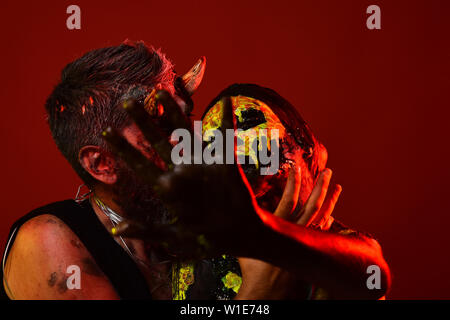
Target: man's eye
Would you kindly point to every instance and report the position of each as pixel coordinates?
(250, 119)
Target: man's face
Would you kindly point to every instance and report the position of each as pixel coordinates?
(253, 117)
(135, 196)
(131, 193)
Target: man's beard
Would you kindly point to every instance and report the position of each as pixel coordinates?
(137, 198)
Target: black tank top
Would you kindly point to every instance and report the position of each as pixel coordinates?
(208, 279)
(216, 279)
(116, 264)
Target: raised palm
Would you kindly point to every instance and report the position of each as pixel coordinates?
(213, 206)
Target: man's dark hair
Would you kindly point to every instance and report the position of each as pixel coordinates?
(87, 99)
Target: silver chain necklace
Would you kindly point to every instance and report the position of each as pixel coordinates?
(115, 219)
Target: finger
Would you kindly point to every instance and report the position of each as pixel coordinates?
(227, 115)
(227, 123)
(149, 129)
(173, 117)
(162, 235)
(175, 240)
(185, 95)
(316, 199)
(327, 224)
(290, 195)
(136, 160)
(328, 206)
(129, 229)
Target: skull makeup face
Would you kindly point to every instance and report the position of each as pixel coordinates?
(255, 120)
(256, 117)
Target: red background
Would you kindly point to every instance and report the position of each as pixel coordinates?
(376, 99)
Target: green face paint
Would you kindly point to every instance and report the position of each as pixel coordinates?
(254, 118)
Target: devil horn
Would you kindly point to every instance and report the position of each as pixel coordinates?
(193, 78)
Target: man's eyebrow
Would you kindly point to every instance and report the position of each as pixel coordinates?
(250, 119)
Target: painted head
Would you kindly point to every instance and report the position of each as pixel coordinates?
(258, 111)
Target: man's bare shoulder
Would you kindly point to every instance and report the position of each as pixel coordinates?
(44, 259)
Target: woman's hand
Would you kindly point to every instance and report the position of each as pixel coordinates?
(261, 280)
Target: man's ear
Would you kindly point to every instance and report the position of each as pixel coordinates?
(99, 163)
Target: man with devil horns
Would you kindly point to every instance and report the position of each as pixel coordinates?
(149, 229)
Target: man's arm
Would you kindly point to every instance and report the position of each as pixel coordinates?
(262, 280)
(335, 262)
(37, 264)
